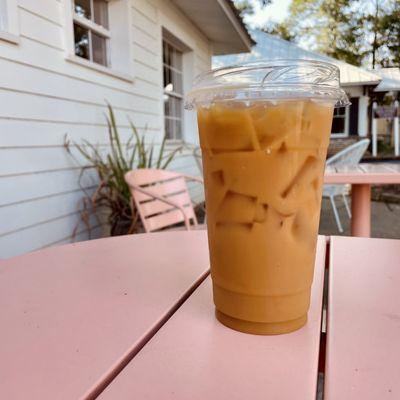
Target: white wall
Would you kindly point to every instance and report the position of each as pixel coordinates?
(43, 97)
(363, 116)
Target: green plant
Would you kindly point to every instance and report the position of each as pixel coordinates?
(112, 194)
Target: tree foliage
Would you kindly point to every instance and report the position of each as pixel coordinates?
(360, 32)
(246, 7)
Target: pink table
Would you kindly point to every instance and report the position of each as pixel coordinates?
(361, 178)
(195, 357)
(363, 345)
(132, 318)
(71, 317)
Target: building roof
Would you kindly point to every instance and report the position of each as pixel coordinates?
(220, 22)
(271, 47)
(390, 79)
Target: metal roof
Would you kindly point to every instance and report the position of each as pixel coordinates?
(270, 47)
(390, 79)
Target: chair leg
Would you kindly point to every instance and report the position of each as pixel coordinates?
(346, 204)
(335, 212)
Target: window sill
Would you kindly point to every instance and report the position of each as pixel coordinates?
(339, 135)
(9, 37)
(99, 68)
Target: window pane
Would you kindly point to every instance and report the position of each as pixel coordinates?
(177, 82)
(166, 105)
(168, 85)
(165, 53)
(338, 125)
(81, 36)
(340, 111)
(82, 8)
(177, 60)
(168, 129)
(172, 81)
(168, 54)
(173, 106)
(177, 130)
(100, 11)
(177, 108)
(99, 49)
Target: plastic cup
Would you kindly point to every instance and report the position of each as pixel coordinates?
(264, 131)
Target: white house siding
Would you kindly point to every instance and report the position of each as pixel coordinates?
(43, 97)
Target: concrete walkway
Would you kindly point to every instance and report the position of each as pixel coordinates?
(385, 220)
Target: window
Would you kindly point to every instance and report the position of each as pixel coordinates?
(339, 123)
(98, 36)
(173, 90)
(91, 30)
(9, 21)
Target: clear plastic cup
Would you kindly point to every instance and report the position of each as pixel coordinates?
(264, 131)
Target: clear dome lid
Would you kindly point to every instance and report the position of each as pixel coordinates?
(271, 80)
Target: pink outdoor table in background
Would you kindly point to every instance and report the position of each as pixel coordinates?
(363, 345)
(72, 315)
(195, 357)
(361, 178)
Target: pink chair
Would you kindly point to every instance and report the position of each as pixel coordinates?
(162, 198)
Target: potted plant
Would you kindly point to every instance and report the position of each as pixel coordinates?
(112, 196)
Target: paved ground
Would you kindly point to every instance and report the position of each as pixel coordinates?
(385, 220)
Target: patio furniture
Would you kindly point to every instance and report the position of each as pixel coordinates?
(361, 177)
(348, 157)
(162, 198)
(131, 317)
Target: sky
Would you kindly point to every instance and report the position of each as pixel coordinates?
(277, 11)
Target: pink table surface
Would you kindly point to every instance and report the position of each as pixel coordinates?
(194, 357)
(72, 316)
(364, 173)
(363, 342)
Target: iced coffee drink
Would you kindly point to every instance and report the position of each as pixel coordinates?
(263, 161)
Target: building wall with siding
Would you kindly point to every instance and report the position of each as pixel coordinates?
(43, 97)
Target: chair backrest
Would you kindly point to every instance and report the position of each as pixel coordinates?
(351, 155)
(155, 214)
(197, 157)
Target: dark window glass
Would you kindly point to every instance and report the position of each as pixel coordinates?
(338, 125)
(82, 8)
(81, 36)
(168, 129)
(100, 11)
(99, 48)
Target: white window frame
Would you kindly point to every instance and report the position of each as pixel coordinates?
(174, 94)
(91, 26)
(11, 32)
(346, 125)
(70, 17)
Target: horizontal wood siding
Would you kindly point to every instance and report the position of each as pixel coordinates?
(45, 98)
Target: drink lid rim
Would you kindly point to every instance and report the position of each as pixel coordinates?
(271, 79)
